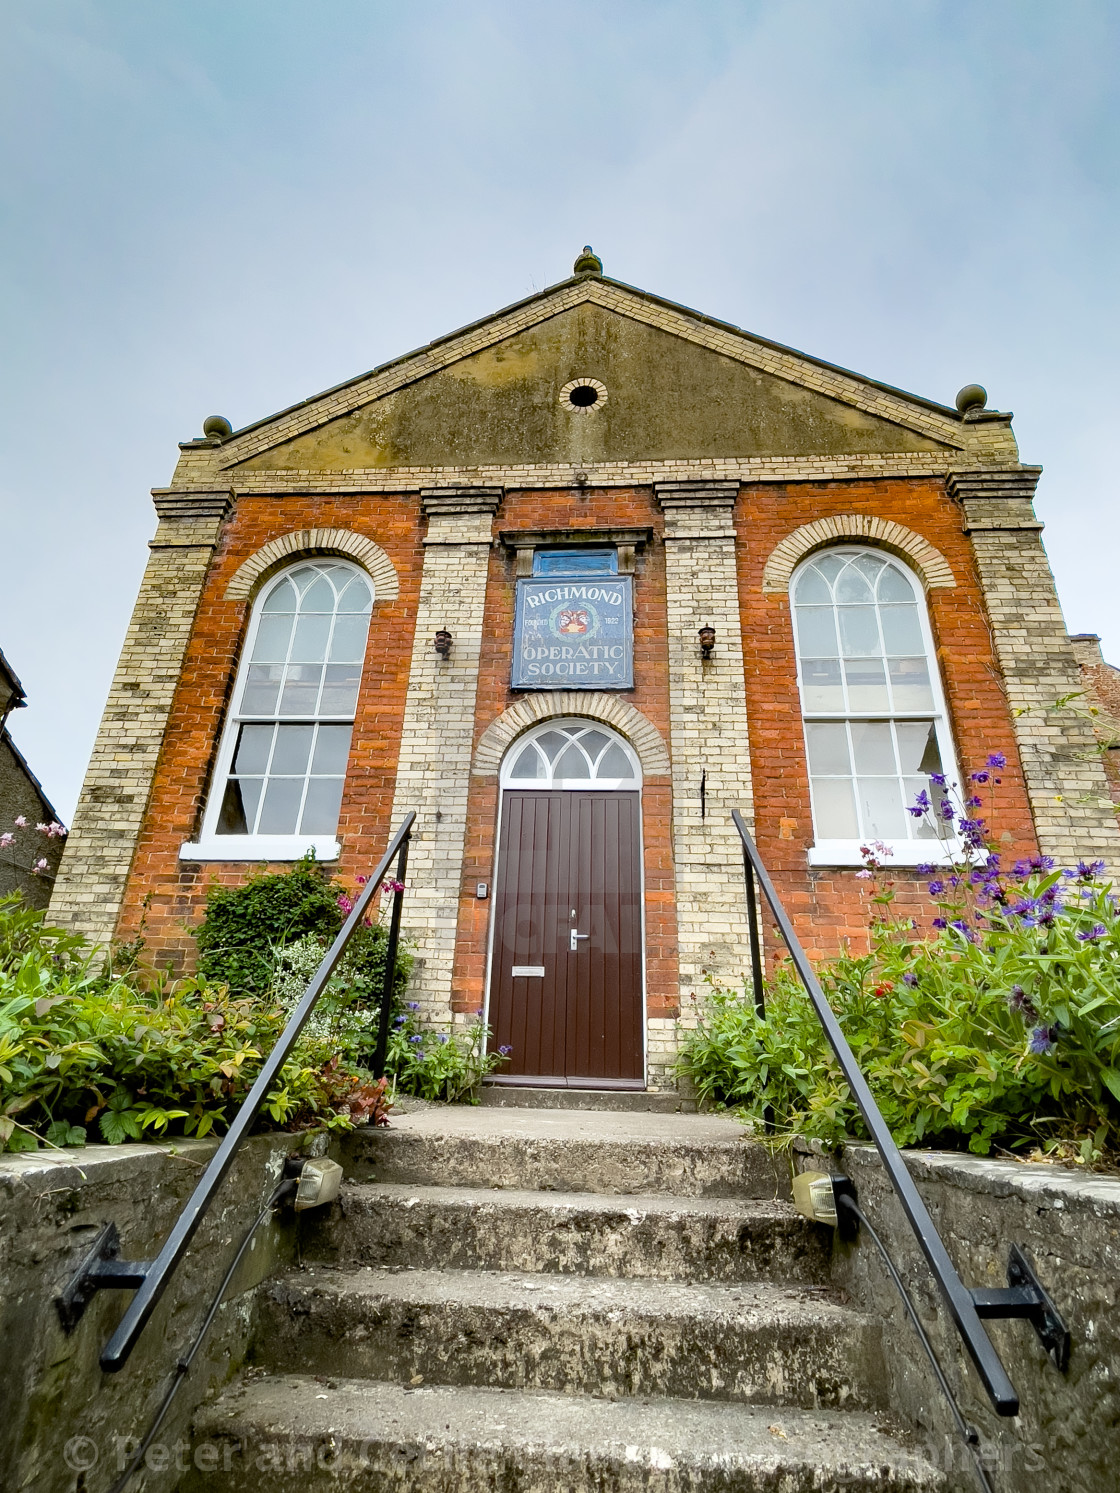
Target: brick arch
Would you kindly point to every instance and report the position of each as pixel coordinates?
(639, 731)
(371, 557)
(932, 568)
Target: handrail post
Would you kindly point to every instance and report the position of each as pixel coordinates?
(382, 1049)
(757, 968)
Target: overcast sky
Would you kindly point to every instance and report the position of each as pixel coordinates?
(223, 206)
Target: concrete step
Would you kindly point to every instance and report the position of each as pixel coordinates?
(660, 1238)
(567, 1151)
(305, 1435)
(633, 1101)
(758, 1344)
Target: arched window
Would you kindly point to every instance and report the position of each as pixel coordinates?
(278, 785)
(571, 754)
(875, 724)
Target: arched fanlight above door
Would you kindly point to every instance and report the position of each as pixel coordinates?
(571, 755)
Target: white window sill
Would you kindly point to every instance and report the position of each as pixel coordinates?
(904, 853)
(261, 848)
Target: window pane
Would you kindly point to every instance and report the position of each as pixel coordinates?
(552, 743)
(528, 764)
(867, 685)
(853, 587)
(301, 690)
(834, 810)
(253, 745)
(880, 802)
(283, 599)
(812, 587)
(873, 747)
(859, 631)
(310, 645)
(593, 742)
(571, 764)
(356, 595)
(828, 747)
(273, 637)
(239, 806)
(281, 806)
(928, 826)
(348, 645)
(821, 684)
(293, 747)
(261, 689)
(902, 632)
(614, 763)
(893, 585)
(332, 749)
(910, 684)
(917, 747)
(318, 597)
(816, 632)
(340, 691)
(320, 809)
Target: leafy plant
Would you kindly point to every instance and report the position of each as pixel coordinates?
(1002, 1024)
(141, 1055)
(440, 1065)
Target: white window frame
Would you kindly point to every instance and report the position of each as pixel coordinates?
(582, 724)
(936, 852)
(210, 846)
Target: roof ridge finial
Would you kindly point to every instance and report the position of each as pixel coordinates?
(588, 263)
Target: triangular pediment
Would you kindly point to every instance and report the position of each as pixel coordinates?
(676, 386)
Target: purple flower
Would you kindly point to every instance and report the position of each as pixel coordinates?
(974, 802)
(413, 1005)
(392, 886)
(925, 869)
(940, 923)
(1088, 872)
(996, 759)
(864, 875)
(344, 903)
(936, 888)
(979, 777)
(443, 1039)
(399, 1020)
(505, 1051)
(961, 925)
(1098, 930)
(1042, 1040)
(946, 809)
(920, 805)
(909, 979)
(417, 1039)
(1021, 869)
(937, 779)
(1046, 863)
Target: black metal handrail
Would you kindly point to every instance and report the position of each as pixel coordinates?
(150, 1278)
(1025, 1298)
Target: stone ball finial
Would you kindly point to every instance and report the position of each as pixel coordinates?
(588, 263)
(972, 397)
(217, 428)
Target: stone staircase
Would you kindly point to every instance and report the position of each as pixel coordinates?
(533, 1301)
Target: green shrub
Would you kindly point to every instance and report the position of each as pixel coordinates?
(1001, 1025)
(140, 1056)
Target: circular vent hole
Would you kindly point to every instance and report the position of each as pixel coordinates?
(584, 396)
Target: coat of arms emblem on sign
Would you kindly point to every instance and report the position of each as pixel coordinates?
(572, 621)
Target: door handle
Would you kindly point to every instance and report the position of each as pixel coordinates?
(573, 937)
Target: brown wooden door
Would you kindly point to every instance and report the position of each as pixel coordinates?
(569, 1006)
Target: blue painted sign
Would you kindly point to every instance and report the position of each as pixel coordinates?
(574, 634)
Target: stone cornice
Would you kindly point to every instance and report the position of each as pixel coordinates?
(675, 497)
(984, 482)
(180, 506)
(455, 500)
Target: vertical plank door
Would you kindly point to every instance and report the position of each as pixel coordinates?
(570, 1008)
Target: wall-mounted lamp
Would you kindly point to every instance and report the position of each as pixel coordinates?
(443, 642)
(707, 641)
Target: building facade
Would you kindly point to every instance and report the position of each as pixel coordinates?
(574, 583)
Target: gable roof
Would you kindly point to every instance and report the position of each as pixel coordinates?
(933, 425)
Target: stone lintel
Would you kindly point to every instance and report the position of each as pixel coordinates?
(524, 541)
